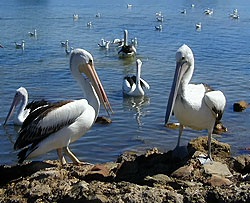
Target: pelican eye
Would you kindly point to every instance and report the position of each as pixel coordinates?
(182, 58)
(90, 61)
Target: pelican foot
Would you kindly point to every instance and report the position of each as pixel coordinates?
(81, 163)
(205, 159)
(180, 152)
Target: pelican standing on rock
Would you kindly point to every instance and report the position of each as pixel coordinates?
(25, 108)
(194, 105)
(133, 86)
(57, 125)
(127, 49)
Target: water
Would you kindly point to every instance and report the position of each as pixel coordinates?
(222, 59)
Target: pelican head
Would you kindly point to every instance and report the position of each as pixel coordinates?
(183, 73)
(21, 95)
(82, 61)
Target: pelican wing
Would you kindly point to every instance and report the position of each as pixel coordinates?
(36, 104)
(47, 120)
(216, 101)
(144, 84)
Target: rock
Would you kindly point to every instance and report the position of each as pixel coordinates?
(217, 168)
(240, 163)
(240, 106)
(219, 128)
(217, 180)
(219, 149)
(182, 172)
(103, 120)
(172, 125)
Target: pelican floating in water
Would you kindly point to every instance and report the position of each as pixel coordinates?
(127, 49)
(160, 18)
(133, 86)
(57, 125)
(25, 108)
(33, 34)
(20, 46)
(194, 105)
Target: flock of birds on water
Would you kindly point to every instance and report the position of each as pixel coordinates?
(47, 126)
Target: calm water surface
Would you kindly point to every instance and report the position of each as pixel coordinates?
(222, 59)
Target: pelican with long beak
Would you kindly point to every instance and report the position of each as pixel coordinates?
(133, 85)
(195, 105)
(59, 124)
(127, 49)
(21, 97)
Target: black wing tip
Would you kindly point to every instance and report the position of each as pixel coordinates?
(22, 155)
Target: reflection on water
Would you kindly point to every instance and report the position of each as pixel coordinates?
(137, 105)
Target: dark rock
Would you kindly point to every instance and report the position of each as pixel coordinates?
(219, 149)
(103, 120)
(240, 106)
(240, 163)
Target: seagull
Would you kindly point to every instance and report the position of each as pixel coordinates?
(198, 25)
(65, 44)
(25, 108)
(195, 105)
(33, 34)
(208, 11)
(75, 16)
(133, 85)
(59, 124)
(20, 46)
(159, 27)
(160, 18)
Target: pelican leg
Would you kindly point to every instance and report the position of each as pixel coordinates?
(61, 157)
(180, 133)
(72, 156)
(209, 145)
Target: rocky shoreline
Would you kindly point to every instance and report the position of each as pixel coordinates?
(149, 177)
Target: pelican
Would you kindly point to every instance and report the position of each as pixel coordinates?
(160, 18)
(118, 42)
(25, 108)
(20, 46)
(158, 14)
(184, 11)
(68, 52)
(65, 44)
(194, 105)
(127, 49)
(33, 34)
(57, 125)
(133, 86)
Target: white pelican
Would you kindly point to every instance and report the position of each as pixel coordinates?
(134, 41)
(118, 42)
(65, 44)
(61, 123)
(198, 25)
(194, 105)
(159, 27)
(127, 49)
(133, 86)
(25, 108)
(20, 46)
(33, 34)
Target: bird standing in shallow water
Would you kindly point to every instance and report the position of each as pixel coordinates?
(195, 105)
(57, 125)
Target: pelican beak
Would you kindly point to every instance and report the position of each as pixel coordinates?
(91, 73)
(181, 68)
(15, 102)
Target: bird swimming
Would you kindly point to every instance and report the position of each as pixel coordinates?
(198, 26)
(133, 85)
(20, 46)
(195, 105)
(104, 44)
(127, 49)
(65, 44)
(25, 108)
(33, 34)
(59, 124)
